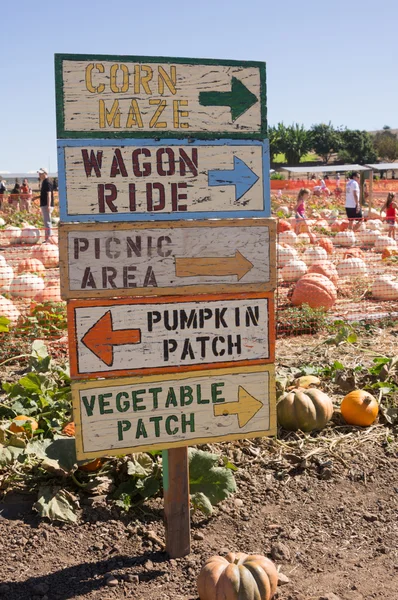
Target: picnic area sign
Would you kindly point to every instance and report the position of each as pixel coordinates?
(140, 96)
(138, 336)
(158, 259)
(158, 412)
(164, 179)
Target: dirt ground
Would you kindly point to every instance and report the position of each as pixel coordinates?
(324, 507)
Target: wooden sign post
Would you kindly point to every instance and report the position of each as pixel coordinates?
(167, 257)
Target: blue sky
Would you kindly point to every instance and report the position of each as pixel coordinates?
(333, 61)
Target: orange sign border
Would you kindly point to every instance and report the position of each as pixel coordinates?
(73, 341)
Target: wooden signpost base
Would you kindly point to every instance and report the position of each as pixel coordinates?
(176, 502)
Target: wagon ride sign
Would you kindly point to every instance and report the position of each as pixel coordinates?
(167, 257)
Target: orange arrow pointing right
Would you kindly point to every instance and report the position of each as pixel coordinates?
(101, 338)
(214, 266)
(246, 407)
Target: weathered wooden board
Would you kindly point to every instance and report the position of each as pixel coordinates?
(148, 259)
(136, 96)
(109, 338)
(138, 414)
(173, 179)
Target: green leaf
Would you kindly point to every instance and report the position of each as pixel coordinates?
(9, 454)
(217, 483)
(201, 502)
(352, 338)
(148, 487)
(57, 505)
(63, 450)
(124, 502)
(4, 325)
(39, 349)
(228, 464)
(31, 382)
(141, 465)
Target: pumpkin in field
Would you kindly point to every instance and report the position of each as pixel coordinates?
(9, 310)
(385, 287)
(92, 466)
(352, 267)
(69, 429)
(359, 408)
(353, 253)
(17, 425)
(293, 270)
(30, 235)
(326, 244)
(335, 226)
(30, 265)
(285, 254)
(48, 254)
(389, 251)
(315, 290)
(6, 277)
(51, 293)
(367, 237)
(26, 285)
(283, 225)
(345, 238)
(383, 241)
(344, 225)
(325, 268)
(313, 254)
(237, 577)
(305, 409)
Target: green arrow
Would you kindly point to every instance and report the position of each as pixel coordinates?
(239, 99)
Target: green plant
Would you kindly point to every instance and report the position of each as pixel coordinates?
(301, 319)
(325, 140)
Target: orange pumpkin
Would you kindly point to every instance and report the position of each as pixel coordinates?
(359, 408)
(344, 226)
(15, 428)
(335, 226)
(92, 466)
(353, 253)
(51, 293)
(389, 251)
(69, 429)
(237, 577)
(326, 244)
(315, 290)
(325, 268)
(283, 225)
(31, 265)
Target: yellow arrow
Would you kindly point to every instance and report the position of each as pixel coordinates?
(246, 407)
(214, 266)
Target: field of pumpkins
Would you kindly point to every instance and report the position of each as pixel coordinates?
(309, 514)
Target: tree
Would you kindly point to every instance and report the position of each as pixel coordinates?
(325, 140)
(295, 143)
(275, 135)
(386, 144)
(357, 147)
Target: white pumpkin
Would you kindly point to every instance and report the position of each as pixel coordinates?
(303, 238)
(3, 261)
(294, 270)
(285, 254)
(367, 237)
(374, 224)
(2, 222)
(385, 287)
(10, 235)
(285, 210)
(383, 241)
(48, 254)
(26, 285)
(287, 237)
(345, 238)
(313, 254)
(30, 235)
(9, 310)
(6, 277)
(352, 267)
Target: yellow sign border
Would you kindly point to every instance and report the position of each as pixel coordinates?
(77, 386)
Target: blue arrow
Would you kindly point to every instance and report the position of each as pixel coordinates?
(241, 176)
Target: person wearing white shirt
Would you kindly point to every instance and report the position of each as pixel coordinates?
(352, 201)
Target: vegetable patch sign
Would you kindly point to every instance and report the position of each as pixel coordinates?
(158, 412)
(136, 96)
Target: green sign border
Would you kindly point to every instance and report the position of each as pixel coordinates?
(59, 93)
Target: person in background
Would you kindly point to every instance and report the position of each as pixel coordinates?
(46, 202)
(26, 196)
(3, 190)
(390, 206)
(14, 197)
(299, 209)
(352, 202)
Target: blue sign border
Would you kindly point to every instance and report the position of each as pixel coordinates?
(166, 216)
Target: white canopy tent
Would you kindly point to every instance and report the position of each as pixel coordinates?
(325, 169)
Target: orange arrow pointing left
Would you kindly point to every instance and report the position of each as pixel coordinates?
(101, 338)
